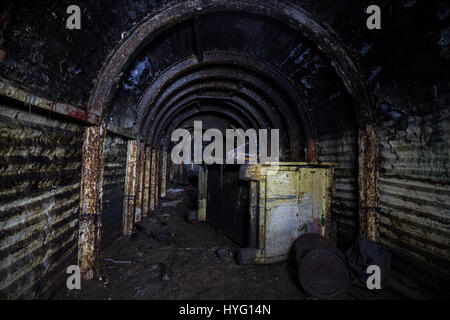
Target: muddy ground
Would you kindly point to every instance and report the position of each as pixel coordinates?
(169, 258)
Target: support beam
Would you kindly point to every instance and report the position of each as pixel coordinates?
(91, 200)
(14, 92)
(153, 181)
(312, 150)
(368, 182)
(140, 183)
(146, 195)
(130, 188)
(253, 210)
(171, 171)
(202, 192)
(158, 169)
(164, 174)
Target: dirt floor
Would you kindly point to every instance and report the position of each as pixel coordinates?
(169, 258)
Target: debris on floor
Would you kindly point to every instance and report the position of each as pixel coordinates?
(173, 203)
(171, 258)
(174, 192)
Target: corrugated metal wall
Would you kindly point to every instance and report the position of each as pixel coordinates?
(115, 153)
(39, 199)
(414, 183)
(344, 204)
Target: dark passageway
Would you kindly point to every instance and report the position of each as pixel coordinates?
(180, 260)
(121, 140)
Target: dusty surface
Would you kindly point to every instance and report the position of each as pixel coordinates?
(174, 259)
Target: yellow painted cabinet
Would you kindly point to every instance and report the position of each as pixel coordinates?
(286, 200)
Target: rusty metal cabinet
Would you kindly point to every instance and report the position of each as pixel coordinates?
(286, 200)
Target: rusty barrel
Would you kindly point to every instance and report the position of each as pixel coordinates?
(322, 270)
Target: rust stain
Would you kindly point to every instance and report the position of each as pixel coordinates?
(130, 188)
(79, 114)
(287, 199)
(147, 173)
(8, 89)
(312, 150)
(153, 181)
(157, 176)
(171, 171)
(164, 174)
(140, 183)
(368, 183)
(91, 200)
(39, 203)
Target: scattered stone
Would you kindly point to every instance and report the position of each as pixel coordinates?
(222, 253)
(171, 203)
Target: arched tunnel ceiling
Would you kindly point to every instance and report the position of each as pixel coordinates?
(259, 65)
(63, 65)
(38, 53)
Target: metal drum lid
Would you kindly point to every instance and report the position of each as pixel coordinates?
(323, 274)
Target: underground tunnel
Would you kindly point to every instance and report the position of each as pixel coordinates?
(102, 122)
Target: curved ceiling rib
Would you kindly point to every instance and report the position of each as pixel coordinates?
(274, 102)
(176, 12)
(196, 113)
(198, 101)
(225, 91)
(292, 92)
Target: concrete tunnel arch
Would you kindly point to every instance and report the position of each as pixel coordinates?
(292, 15)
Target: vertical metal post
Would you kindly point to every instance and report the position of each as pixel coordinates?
(171, 171)
(153, 181)
(146, 195)
(312, 150)
(254, 206)
(130, 188)
(157, 176)
(91, 200)
(262, 214)
(140, 183)
(164, 174)
(202, 192)
(368, 182)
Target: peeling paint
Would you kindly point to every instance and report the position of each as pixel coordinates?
(294, 199)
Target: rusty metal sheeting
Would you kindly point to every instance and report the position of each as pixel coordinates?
(163, 174)
(368, 182)
(40, 174)
(146, 189)
(414, 184)
(91, 200)
(153, 177)
(343, 149)
(130, 187)
(8, 89)
(140, 183)
(113, 187)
